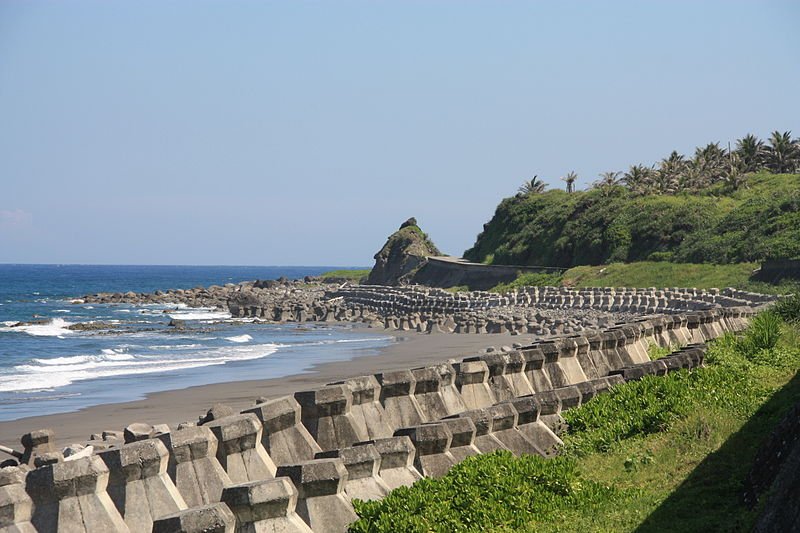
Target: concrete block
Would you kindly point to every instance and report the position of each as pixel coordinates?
(284, 437)
(397, 461)
(534, 368)
(535, 430)
(266, 506)
(71, 497)
(212, 518)
(472, 381)
(397, 397)
(485, 441)
(36, 443)
(463, 431)
(432, 442)
(550, 410)
(240, 451)
(325, 412)
(139, 485)
(193, 465)
(428, 395)
(363, 466)
(504, 429)
(321, 500)
(515, 374)
(16, 507)
(453, 401)
(501, 385)
(367, 410)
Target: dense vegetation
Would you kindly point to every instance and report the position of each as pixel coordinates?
(759, 220)
(346, 274)
(662, 454)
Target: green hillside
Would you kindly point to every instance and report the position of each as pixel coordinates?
(758, 219)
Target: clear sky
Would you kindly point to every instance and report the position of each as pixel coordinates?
(278, 133)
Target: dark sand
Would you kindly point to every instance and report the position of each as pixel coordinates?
(171, 407)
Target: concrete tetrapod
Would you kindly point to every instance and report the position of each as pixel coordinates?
(535, 430)
(285, 438)
(453, 402)
(139, 485)
(193, 465)
(16, 507)
(502, 387)
(397, 461)
(428, 395)
(432, 441)
(485, 441)
(71, 497)
(504, 428)
(240, 451)
(367, 410)
(321, 500)
(212, 518)
(472, 381)
(325, 412)
(463, 431)
(397, 397)
(363, 464)
(534, 368)
(265, 507)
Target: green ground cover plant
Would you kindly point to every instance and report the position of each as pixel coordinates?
(661, 454)
(357, 275)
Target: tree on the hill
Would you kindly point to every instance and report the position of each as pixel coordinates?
(570, 180)
(534, 186)
(708, 166)
(669, 172)
(607, 181)
(783, 154)
(751, 153)
(639, 179)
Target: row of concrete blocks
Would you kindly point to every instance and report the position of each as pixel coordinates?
(242, 453)
(134, 488)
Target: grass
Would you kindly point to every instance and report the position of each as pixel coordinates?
(661, 454)
(357, 275)
(660, 274)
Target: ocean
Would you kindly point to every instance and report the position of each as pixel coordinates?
(46, 368)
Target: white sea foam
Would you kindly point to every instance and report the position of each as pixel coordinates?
(63, 311)
(200, 314)
(46, 374)
(239, 338)
(56, 327)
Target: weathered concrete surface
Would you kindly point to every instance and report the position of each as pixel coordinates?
(71, 497)
(397, 461)
(397, 397)
(432, 441)
(240, 451)
(534, 368)
(463, 443)
(265, 507)
(472, 381)
(363, 466)
(368, 413)
(485, 440)
(534, 430)
(16, 507)
(285, 438)
(321, 500)
(326, 414)
(212, 518)
(35, 443)
(139, 485)
(504, 429)
(193, 465)
(428, 394)
(453, 402)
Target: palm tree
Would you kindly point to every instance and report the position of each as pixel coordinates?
(534, 186)
(751, 153)
(639, 179)
(608, 179)
(570, 179)
(669, 173)
(783, 154)
(707, 167)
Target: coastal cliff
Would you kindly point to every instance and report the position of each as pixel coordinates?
(404, 253)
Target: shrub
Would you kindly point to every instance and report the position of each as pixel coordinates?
(788, 308)
(763, 334)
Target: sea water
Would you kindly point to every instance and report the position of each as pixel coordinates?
(48, 368)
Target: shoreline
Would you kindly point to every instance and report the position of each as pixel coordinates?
(171, 407)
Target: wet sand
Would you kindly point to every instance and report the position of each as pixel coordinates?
(409, 350)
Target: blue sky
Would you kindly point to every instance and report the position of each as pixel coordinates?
(275, 133)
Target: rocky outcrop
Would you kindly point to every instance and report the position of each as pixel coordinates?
(404, 253)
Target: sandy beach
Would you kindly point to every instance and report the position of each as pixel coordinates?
(171, 407)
